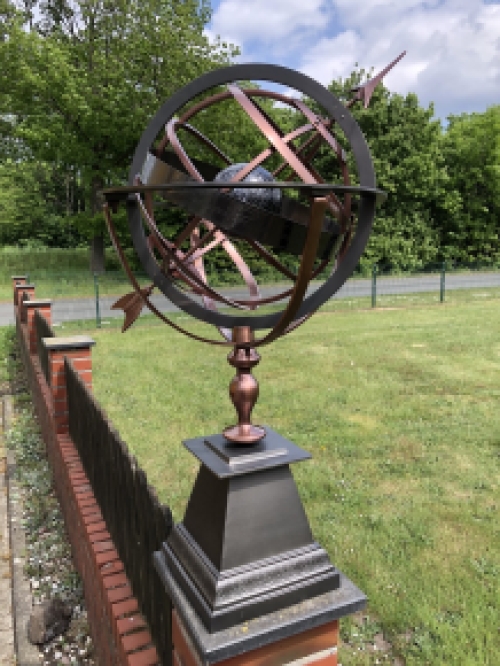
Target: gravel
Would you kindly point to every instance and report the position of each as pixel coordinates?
(48, 564)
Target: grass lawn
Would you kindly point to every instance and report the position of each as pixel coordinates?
(399, 408)
(78, 283)
(59, 273)
(400, 411)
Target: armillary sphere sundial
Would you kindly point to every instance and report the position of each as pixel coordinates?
(277, 203)
(299, 214)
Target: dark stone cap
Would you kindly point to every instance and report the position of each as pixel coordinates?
(75, 342)
(226, 460)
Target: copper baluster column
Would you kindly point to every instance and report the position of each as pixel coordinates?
(244, 388)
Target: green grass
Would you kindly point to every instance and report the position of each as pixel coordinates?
(6, 337)
(18, 261)
(76, 284)
(453, 297)
(59, 273)
(400, 411)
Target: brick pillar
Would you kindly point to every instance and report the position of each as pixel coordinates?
(21, 289)
(44, 308)
(317, 646)
(17, 279)
(78, 349)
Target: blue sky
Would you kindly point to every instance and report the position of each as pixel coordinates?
(453, 46)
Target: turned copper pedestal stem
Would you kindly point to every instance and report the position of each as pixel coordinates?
(244, 388)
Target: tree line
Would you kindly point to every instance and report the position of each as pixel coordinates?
(80, 79)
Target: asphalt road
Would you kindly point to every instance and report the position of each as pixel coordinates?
(85, 308)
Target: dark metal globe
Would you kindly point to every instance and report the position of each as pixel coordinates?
(268, 199)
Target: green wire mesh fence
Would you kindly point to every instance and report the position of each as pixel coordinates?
(80, 295)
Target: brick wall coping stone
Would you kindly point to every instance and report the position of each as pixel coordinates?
(264, 630)
(37, 303)
(18, 277)
(25, 286)
(73, 342)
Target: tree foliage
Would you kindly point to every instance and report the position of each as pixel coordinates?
(84, 79)
(80, 79)
(405, 143)
(31, 207)
(471, 147)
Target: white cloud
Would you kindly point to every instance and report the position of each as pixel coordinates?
(331, 58)
(453, 49)
(453, 46)
(279, 24)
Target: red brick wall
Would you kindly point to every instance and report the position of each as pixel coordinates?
(120, 633)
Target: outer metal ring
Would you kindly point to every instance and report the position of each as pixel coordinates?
(336, 110)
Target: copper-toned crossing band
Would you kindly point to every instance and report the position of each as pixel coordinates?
(265, 154)
(195, 251)
(175, 256)
(271, 134)
(221, 239)
(181, 153)
(334, 144)
(170, 132)
(305, 271)
(145, 298)
(186, 231)
(313, 142)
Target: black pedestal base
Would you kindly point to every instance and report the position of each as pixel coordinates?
(245, 548)
(213, 647)
(224, 599)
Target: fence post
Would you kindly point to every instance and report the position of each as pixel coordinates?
(44, 307)
(78, 349)
(18, 280)
(374, 286)
(442, 282)
(97, 309)
(21, 289)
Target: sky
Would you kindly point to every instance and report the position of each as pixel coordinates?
(453, 46)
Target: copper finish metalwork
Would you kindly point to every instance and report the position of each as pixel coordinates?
(244, 388)
(364, 92)
(319, 223)
(132, 305)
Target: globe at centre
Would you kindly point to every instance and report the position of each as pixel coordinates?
(266, 198)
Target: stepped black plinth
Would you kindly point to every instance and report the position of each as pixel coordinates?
(245, 548)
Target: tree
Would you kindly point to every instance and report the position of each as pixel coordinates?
(31, 206)
(84, 80)
(405, 143)
(471, 148)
